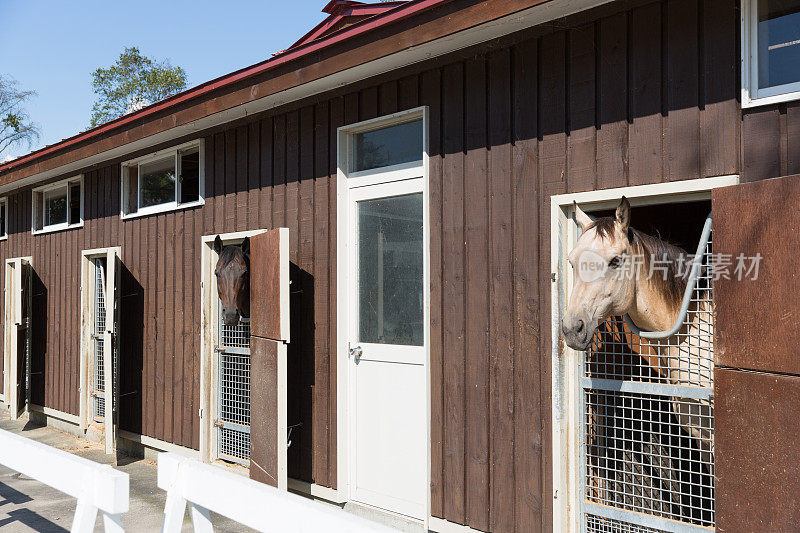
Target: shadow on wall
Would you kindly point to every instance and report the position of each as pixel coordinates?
(131, 338)
(300, 378)
(38, 338)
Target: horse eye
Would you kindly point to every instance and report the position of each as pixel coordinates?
(615, 262)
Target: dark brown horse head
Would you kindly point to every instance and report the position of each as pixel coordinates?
(233, 280)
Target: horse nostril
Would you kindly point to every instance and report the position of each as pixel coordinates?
(579, 326)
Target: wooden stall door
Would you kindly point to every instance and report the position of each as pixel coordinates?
(756, 385)
(269, 334)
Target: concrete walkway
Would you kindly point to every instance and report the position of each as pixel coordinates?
(27, 505)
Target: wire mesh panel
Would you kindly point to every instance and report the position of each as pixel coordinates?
(98, 331)
(647, 441)
(233, 406)
(599, 524)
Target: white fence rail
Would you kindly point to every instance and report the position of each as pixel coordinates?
(209, 488)
(97, 487)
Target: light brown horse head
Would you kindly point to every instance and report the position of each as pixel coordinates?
(600, 261)
(233, 280)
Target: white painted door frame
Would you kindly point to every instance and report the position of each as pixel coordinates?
(348, 185)
(12, 319)
(566, 366)
(209, 312)
(112, 256)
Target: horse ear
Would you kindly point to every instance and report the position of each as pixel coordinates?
(624, 214)
(583, 220)
(246, 246)
(218, 245)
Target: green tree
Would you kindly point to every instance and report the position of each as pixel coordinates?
(131, 83)
(15, 125)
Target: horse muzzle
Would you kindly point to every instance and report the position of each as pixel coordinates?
(230, 316)
(577, 333)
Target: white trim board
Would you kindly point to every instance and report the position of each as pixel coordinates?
(157, 444)
(487, 31)
(566, 367)
(440, 525)
(55, 413)
(317, 491)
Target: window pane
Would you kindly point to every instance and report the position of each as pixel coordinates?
(388, 146)
(158, 182)
(390, 274)
(55, 206)
(74, 203)
(3, 220)
(190, 175)
(778, 42)
(132, 190)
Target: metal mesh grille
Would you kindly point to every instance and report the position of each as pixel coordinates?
(233, 409)
(640, 458)
(599, 524)
(99, 330)
(648, 419)
(237, 336)
(682, 359)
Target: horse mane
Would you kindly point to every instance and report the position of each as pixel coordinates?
(673, 284)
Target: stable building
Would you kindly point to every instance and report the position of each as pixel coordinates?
(407, 173)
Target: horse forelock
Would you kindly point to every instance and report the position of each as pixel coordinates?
(233, 253)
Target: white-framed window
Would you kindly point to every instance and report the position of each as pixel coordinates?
(164, 181)
(58, 206)
(770, 51)
(3, 219)
(383, 150)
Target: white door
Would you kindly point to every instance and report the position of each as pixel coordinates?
(386, 341)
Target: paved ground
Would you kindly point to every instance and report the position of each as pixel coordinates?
(27, 505)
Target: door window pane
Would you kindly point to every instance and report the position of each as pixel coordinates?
(778, 42)
(55, 206)
(388, 146)
(158, 182)
(390, 270)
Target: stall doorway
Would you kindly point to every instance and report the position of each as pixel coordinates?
(634, 411)
(99, 343)
(383, 292)
(17, 334)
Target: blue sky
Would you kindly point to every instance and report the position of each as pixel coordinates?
(52, 47)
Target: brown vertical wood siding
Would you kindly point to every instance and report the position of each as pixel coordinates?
(630, 93)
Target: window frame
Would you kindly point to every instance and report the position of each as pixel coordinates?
(175, 204)
(397, 172)
(44, 189)
(752, 95)
(4, 202)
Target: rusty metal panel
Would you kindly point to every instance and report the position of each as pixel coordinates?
(755, 318)
(758, 460)
(269, 285)
(268, 404)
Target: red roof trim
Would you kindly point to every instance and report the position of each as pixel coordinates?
(340, 9)
(395, 14)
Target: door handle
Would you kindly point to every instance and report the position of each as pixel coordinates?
(356, 352)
